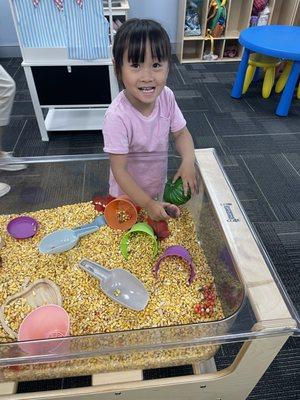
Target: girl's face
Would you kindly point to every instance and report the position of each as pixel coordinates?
(144, 81)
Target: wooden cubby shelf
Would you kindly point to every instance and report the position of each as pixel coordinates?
(227, 47)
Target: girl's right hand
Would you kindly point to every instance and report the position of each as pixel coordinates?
(156, 210)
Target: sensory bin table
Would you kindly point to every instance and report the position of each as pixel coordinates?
(114, 344)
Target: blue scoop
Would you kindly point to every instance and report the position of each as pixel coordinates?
(65, 239)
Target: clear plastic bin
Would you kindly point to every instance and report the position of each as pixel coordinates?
(254, 303)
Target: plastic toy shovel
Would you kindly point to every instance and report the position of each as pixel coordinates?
(119, 285)
(65, 239)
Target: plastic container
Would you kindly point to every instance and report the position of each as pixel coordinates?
(138, 228)
(254, 302)
(45, 322)
(118, 209)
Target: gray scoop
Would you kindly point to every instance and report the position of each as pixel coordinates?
(119, 285)
(65, 239)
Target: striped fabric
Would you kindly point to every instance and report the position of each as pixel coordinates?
(83, 30)
(87, 30)
(80, 3)
(59, 3)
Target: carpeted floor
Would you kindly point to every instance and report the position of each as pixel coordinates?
(261, 155)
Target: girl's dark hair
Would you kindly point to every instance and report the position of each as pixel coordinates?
(133, 36)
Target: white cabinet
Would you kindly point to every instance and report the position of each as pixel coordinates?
(74, 93)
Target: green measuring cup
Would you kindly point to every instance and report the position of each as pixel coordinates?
(139, 227)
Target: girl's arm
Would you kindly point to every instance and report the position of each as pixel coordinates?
(118, 163)
(185, 146)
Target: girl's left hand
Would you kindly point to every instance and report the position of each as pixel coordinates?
(187, 172)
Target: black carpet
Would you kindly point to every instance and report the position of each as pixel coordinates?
(261, 155)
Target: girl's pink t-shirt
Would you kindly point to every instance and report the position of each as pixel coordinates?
(144, 139)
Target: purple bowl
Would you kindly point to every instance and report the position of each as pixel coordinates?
(177, 251)
(22, 227)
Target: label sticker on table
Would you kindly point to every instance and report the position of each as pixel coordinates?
(229, 212)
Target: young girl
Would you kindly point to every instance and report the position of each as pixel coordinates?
(138, 122)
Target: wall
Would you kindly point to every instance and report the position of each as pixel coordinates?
(8, 37)
(164, 11)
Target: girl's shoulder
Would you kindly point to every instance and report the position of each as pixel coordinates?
(119, 105)
(166, 101)
(167, 95)
(167, 92)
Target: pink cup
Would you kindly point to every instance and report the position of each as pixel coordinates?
(45, 322)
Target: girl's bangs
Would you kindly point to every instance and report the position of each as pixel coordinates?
(136, 46)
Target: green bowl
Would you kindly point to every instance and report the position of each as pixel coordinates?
(174, 193)
(139, 227)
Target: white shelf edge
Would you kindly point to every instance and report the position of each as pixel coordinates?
(75, 119)
(198, 60)
(51, 56)
(192, 38)
(124, 6)
(75, 106)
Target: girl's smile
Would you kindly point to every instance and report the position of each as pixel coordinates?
(147, 90)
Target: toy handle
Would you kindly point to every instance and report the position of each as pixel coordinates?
(91, 227)
(85, 230)
(99, 221)
(7, 329)
(12, 334)
(94, 269)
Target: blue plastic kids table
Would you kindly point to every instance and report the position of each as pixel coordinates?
(273, 40)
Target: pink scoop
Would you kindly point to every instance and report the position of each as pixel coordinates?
(177, 251)
(45, 322)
